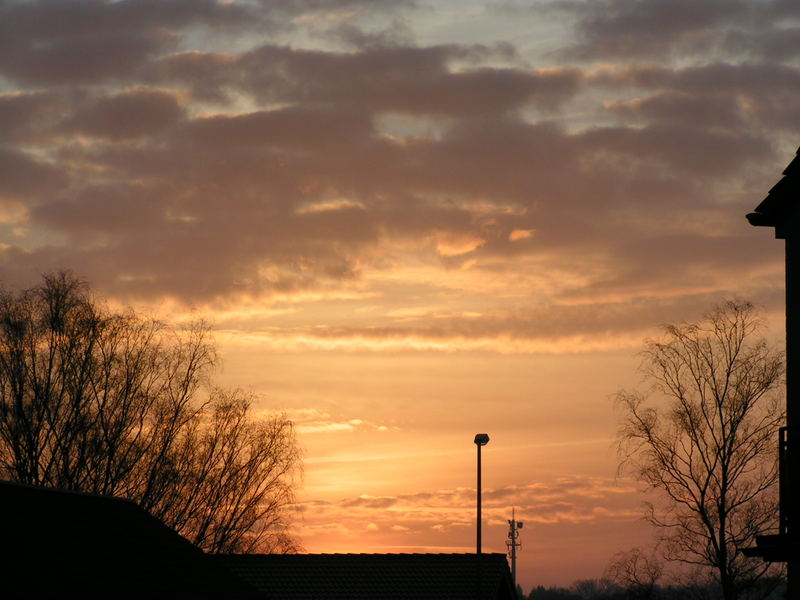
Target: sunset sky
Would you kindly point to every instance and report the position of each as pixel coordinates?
(410, 222)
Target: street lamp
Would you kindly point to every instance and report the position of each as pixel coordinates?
(481, 439)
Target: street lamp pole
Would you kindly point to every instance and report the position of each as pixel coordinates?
(481, 439)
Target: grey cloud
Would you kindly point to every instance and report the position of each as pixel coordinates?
(24, 176)
(227, 196)
(207, 74)
(403, 79)
(558, 177)
(129, 114)
(103, 210)
(716, 77)
(82, 41)
(624, 28)
(70, 61)
(42, 20)
(772, 44)
(484, 91)
(203, 231)
(739, 77)
(763, 93)
(664, 28)
(708, 111)
(302, 190)
(770, 93)
(397, 34)
(293, 127)
(26, 116)
(690, 261)
(656, 17)
(688, 149)
(311, 6)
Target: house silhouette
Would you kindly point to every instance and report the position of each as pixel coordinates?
(63, 544)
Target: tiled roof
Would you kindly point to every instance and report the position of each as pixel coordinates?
(781, 200)
(374, 576)
(87, 546)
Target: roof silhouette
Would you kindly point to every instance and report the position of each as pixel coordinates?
(72, 544)
(91, 546)
(781, 201)
(363, 576)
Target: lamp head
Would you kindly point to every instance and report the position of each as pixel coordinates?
(481, 439)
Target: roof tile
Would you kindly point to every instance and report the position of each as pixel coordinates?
(369, 576)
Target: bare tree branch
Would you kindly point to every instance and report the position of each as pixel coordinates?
(112, 403)
(704, 440)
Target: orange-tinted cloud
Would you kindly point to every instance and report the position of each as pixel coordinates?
(211, 157)
(438, 519)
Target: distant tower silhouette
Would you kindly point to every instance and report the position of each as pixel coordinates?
(781, 210)
(513, 543)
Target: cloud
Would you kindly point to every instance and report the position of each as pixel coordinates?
(369, 502)
(227, 197)
(456, 176)
(439, 513)
(734, 96)
(685, 149)
(46, 42)
(404, 79)
(314, 421)
(24, 176)
(397, 33)
(772, 43)
(679, 28)
(582, 324)
(680, 107)
(25, 116)
(100, 211)
(86, 41)
(301, 128)
(236, 191)
(132, 113)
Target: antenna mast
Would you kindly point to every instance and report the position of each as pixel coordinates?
(513, 543)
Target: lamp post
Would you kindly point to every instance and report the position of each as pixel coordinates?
(481, 439)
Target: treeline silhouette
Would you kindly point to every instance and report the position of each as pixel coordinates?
(769, 588)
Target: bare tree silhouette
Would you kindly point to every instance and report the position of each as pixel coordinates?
(113, 403)
(704, 440)
(635, 571)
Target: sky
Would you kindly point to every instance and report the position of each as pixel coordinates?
(410, 222)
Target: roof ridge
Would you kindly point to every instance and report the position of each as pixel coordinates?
(59, 490)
